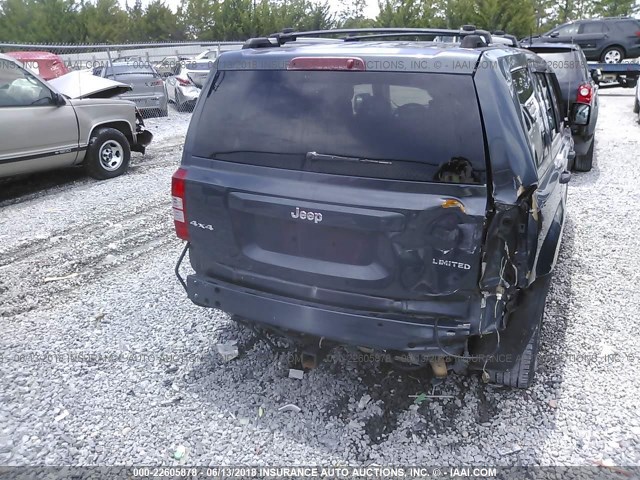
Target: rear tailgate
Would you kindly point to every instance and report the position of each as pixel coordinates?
(391, 205)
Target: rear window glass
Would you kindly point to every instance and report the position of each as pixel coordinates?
(569, 67)
(629, 27)
(131, 69)
(406, 126)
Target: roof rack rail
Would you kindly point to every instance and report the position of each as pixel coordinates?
(259, 42)
(507, 36)
(355, 34)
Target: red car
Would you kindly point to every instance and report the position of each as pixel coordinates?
(46, 65)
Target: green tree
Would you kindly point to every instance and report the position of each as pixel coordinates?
(199, 18)
(513, 16)
(39, 21)
(401, 13)
(104, 22)
(234, 20)
(352, 15)
(455, 13)
(159, 24)
(615, 8)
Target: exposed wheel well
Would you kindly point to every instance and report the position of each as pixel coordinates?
(122, 126)
(615, 45)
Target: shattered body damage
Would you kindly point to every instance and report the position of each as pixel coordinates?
(506, 259)
(519, 230)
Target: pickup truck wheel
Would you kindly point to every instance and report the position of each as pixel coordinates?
(585, 162)
(108, 154)
(612, 55)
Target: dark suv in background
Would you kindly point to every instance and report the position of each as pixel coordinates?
(579, 95)
(608, 40)
(403, 196)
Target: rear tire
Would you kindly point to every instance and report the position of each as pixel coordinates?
(636, 106)
(584, 163)
(108, 154)
(612, 55)
(523, 372)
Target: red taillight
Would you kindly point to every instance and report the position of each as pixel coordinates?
(638, 33)
(183, 81)
(585, 94)
(327, 63)
(177, 202)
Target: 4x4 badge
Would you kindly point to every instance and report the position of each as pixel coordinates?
(201, 225)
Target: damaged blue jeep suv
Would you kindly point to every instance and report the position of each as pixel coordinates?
(379, 190)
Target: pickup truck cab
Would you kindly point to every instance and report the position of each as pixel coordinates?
(43, 129)
(403, 196)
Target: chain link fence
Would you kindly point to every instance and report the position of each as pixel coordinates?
(87, 56)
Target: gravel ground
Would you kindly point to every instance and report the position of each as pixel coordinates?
(105, 361)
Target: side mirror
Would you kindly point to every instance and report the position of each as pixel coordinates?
(565, 177)
(554, 34)
(581, 114)
(596, 75)
(58, 100)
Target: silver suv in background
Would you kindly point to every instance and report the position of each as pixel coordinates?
(148, 90)
(42, 128)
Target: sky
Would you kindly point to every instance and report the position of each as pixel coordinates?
(371, 11)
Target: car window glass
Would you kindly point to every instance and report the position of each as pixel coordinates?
(555, 96)
(407, 127)
(134, 68)
(569, 66)
(593, 27)
(568, 29)
(548, 103)
(524, 88)
(629, 27)
(18, 88)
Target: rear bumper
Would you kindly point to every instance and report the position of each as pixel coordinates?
(143, 136)
(143, 139)
(633, 51)
(343, 326)
(147, 102)
(188, 94)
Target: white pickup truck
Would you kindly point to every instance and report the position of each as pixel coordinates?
(70, 121)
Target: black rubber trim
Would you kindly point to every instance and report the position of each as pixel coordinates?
(42, 155)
